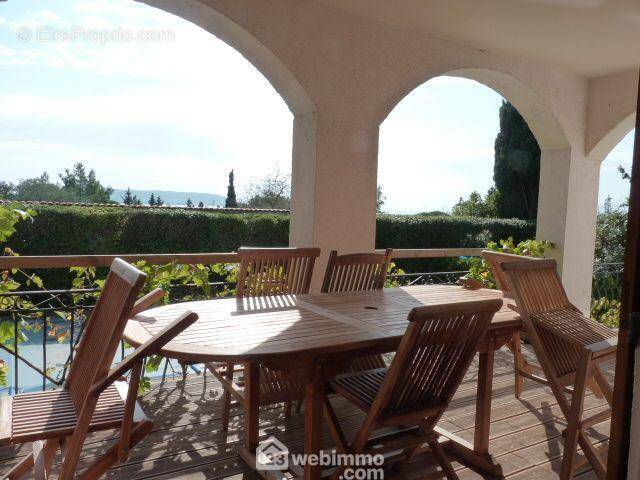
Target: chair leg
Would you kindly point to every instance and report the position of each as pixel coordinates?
(184, 367)
(334, 426)
(44, 452)
(226, 399)
(110, 458)
(287, 409)
(21, 468)
(574, 427)
(442, 458)
(516, 348)
(593, 456)
(592, 384)
(604, 384)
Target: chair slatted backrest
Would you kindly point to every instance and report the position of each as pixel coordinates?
(495, 259)
(356, 271)
(537, 285)
(275, 271)
(104, 329)
(433, 356)
(542, 301)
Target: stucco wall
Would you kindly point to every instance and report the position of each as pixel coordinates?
(610, 112)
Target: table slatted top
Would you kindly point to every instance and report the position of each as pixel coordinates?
(254, 328)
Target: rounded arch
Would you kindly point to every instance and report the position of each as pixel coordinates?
(613, 137)
(263, 59)
(300, 103)
(541, 120)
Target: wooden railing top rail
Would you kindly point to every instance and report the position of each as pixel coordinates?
(68, 261)
(435, 252)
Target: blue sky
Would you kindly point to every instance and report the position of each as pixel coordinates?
(180, 111)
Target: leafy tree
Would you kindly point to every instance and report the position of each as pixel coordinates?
(189, 203)
(516, 170)
(200, 204)
(42, 189)
(231, 201)
(130, 199)
(84, 185)
(611, 233)
(623, 173)
(78, 185)
(159, 201)
(477, 206)
(152, 200)
(271, 191)
(380, 199)
(7, 190)
(434, 213)
(611, 228)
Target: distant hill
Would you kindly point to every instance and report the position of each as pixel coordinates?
(173, 198)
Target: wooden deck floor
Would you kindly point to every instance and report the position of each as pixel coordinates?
(187, 442)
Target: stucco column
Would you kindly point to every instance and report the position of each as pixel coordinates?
(334, 191)
(567, 211)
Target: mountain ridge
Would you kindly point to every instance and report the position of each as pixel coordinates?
(171, 197)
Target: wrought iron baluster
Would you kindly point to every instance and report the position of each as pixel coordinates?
(15, 349)
(44, 351)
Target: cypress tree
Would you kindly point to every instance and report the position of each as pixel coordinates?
(231, 200)
(516, 171)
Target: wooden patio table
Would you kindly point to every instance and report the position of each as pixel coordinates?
(312, 338)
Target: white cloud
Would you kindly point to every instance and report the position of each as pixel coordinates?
(217, 111)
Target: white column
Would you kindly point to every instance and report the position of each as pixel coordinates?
(334, 190)
(567, 211)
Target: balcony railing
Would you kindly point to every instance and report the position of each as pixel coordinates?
(41, 327)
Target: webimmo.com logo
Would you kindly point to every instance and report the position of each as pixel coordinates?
(272, 454)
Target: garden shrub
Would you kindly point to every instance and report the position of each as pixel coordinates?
(64, 230)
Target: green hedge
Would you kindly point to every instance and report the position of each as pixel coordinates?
(416, 231)
(60, 230)
(106, 230)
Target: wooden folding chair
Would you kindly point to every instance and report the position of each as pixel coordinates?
(267, 272)
(570, 348)
(358, 272)
(275, 271)
(413, 393)
(93, 397)
(521, 366)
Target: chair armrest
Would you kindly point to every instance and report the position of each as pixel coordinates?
(150, 347)
(603, 347)
(145, 302)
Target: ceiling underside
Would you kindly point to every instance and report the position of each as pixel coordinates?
(586, 37)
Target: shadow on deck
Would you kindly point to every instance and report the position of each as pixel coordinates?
(187, 443)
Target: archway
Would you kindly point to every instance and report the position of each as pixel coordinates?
(567, 202)
(264, 61)
(285, 83)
